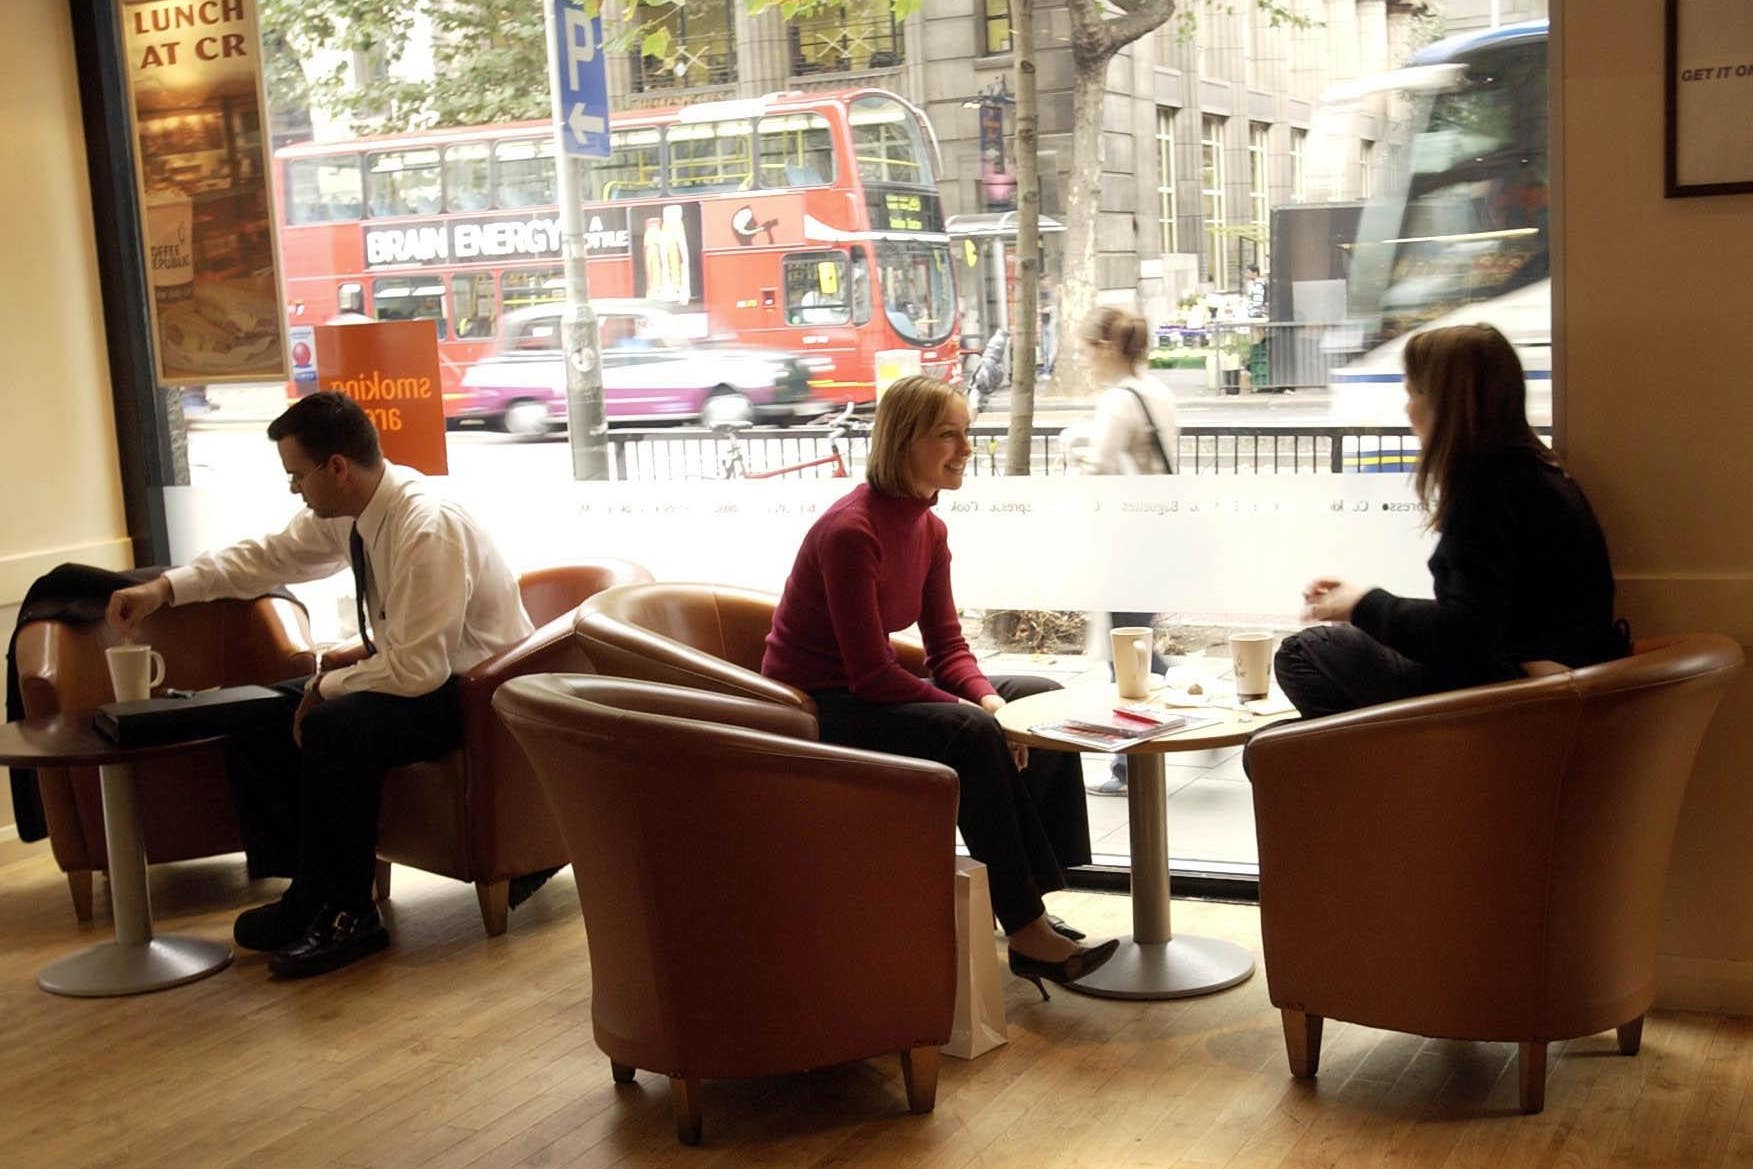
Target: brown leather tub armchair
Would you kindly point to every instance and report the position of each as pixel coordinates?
(185, 809)
(477, 814)
(755, 902)
(1485, 864)
(705, 636)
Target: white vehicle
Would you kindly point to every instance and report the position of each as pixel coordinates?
(1464, 238)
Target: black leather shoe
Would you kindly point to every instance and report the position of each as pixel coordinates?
(273, 926)
(336, 938)
(1065, 930)
(1083, 962)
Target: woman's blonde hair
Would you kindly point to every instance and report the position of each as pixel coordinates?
(909, 408)
(1472, 379)
(1125, 331)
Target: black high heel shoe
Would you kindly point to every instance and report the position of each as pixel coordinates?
(1083, 962)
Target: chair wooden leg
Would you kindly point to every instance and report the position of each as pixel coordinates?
(1302, 1042)
(685, 1103)
(919, 1070)
(495, 899)
(79, 884)
(380, 880)
(1631, 1036)
(1531, 1059)
(623, 1072)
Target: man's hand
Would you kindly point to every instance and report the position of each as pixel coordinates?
(341, 656)
(129, 606)
(1327, 599)
(312, 695)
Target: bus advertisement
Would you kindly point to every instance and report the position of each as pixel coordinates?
(804, 223)
(1462, 236)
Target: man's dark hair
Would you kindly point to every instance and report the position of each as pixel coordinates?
(327, 424)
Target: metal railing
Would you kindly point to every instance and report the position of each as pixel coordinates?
(672, 453)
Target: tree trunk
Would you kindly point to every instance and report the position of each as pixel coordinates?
(1020, 434)
(1083, 205)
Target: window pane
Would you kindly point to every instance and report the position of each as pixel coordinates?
(702, 44)
(409, 298)
(862, 35)
(321, 190)
(525, 173)
(1167, 205)
(797, 150)
(403, 182)
(635, 168)
(542, 286)
(1212, 254)
(467, 186)
(918, 293)
(997, 26)
(886, 140)
(472, 301)
(716, 156)
(816, 289)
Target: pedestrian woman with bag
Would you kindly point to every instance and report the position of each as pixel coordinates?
(877, 562)
(1133, 432)
(1520, 570)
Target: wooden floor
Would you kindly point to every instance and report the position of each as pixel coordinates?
(452, 1050)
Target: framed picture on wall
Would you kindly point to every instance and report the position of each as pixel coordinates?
(1709, 97)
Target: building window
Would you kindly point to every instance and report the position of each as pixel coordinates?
(1366, 160)
(702, 45)
(846, 39)
(1212, 263)
(1259, 201)
(996, 27)
(1298, 140)
(1168, 212)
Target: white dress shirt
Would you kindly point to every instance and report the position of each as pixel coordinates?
(439, 596)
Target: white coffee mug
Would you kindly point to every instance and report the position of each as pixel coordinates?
(1132, 660)
(134, 671)
(1251, 656)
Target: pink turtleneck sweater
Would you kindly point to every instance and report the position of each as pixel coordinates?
(871, 566)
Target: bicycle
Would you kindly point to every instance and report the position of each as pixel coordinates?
(732, 465)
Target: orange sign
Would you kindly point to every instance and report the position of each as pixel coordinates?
(391, 369)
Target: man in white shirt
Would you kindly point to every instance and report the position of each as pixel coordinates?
(435, 598)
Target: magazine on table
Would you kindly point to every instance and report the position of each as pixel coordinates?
(1126, 727)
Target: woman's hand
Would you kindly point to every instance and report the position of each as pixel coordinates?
(1328, 599)
(1019, 753)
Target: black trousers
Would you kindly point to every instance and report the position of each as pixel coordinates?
(310, 813)
(1326, 669)
(1025, 827)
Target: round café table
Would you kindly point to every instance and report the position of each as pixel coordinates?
(1153, 962)
(136, 961)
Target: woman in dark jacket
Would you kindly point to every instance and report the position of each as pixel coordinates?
(1520, 569)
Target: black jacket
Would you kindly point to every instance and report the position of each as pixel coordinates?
(1521, 574)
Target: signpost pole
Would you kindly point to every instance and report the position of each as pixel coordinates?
(581, 127)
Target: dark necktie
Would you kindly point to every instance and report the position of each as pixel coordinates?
(356, 553)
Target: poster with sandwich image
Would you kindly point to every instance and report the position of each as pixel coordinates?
(201, 166)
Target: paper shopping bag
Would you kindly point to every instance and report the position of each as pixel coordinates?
(979, 1022)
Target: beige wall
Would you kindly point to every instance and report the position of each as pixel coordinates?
(58, 478)
(1658, 388)
(60, 493)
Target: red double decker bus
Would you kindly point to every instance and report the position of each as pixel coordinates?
(808, 222)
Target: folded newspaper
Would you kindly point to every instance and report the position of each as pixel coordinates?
(1125, 728)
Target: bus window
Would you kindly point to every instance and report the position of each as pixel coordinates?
(816, 287)
(466, 183)
(714, 156)
(323, 190)
(522, 289)
(635, 168)
(403, 182)
(885, 138)
(919, 293)
(471, 299)
(410, 298)
(796, 151)
(524, 174)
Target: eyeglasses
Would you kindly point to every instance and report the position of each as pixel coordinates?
(297, 481)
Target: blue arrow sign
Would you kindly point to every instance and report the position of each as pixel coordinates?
(581, 79)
